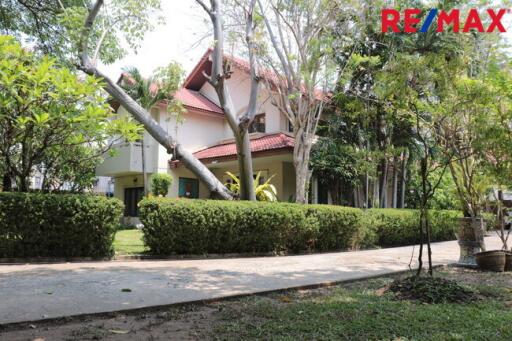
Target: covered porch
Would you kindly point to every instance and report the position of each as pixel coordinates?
(272, 156)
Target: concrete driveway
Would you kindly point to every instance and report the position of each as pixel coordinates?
(39, 291)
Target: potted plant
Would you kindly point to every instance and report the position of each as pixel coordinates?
(472, 186)
(501, 216)
(495, 149)
(468, 102)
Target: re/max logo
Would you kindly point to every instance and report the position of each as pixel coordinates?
(411, 18)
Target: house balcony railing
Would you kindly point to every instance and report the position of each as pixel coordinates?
(127, 159)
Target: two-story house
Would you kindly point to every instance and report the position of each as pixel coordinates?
(204, 130)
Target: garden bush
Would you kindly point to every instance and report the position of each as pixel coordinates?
(160, 183)
(57, 225)
(396, 227)
(183, 226)
(201, 226)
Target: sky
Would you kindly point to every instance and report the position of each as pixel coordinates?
(179, 39)
(176, 40)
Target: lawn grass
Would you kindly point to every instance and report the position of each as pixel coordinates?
(129, 242)
(364, 313)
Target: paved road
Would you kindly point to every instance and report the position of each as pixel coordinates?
(37, 291)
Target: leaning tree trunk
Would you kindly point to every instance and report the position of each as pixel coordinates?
(142, 116)
(166, 140)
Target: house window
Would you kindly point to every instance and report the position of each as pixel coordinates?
(132, 196)
(258, 125)
(189, 188)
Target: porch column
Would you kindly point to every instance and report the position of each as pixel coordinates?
(314, 190)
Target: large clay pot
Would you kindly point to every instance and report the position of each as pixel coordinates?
(508, 261)
(470, 239)
(491, 260)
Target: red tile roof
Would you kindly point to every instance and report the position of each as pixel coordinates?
(196, 77)
(195, 100)
(271, 142)
(190, 99)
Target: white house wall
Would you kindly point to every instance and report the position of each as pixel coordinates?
(194, 131)
(240, 87)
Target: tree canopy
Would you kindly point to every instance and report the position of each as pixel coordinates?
(52, 120)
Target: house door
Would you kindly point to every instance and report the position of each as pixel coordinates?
(189, 188)
(132, 196)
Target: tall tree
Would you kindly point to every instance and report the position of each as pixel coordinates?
(149, 91)
(337, 163)
(298, 55)
(83, 33)
(363, 51)
(414, 86)
(496, 146)
(218, 79)
(50, 119)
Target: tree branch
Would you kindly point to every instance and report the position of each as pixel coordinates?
(203, 5)
(141, 115)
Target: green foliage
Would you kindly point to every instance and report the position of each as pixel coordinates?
(339, 227)
(201, 226)
(469, 111)
(160, 183)
(336, 162)
(57, 225)
(445, 196)
(160, 86)
(264, 192)
(393, 227)
(52, 120)
(55, 26)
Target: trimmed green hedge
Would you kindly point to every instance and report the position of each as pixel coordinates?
(200, 226)
(57, 225)
(396, 227)
(181, 226)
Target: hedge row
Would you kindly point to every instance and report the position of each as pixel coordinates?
(201, 226)
(397, 227)
(57, 225)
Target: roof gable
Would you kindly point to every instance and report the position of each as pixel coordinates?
(196, 79)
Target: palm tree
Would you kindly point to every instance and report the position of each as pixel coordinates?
(149, 91)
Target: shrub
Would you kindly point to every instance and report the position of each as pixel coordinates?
(339, 227)
(264, 192)
(185, 226)
(57, 225)
(160, 183)
(396, 227)
(202, 226)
